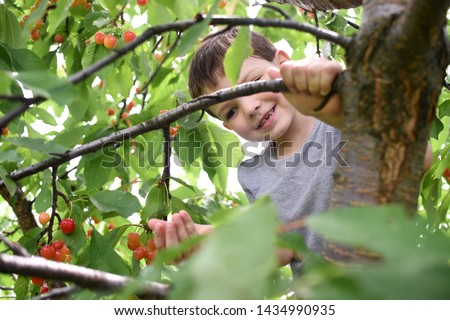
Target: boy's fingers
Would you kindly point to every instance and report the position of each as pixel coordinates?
(273, 73)
(329, 73)
(160, 235)
(189, 224)
(313, 75)
(180, 227)
(171, 234)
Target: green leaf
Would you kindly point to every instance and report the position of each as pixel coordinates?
(157, 202)
(10, 30)
(96, 175)
(103, 256)
(21, 287)
(188, 146)
(26, 60)
(43, 115)
(233, 263)
(50, 86)
(5, 83)
(10, 185)
(10, 156)
(5, 58)
(56, 16)
(38, 144)
(229, 143)
(236, 54)
(96, 20)
(121, 202)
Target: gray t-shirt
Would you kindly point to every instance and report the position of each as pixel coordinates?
(299, 185)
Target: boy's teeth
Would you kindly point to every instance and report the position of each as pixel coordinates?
(263, 122)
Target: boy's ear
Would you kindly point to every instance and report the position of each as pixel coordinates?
(280, 57)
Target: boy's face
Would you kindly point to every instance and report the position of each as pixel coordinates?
(259, 117)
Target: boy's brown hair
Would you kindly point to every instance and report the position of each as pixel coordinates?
(207, 65)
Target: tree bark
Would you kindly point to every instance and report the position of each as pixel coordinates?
(21, 206)
(395, 71)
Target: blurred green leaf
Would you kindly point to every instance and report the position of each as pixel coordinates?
(239, 51)
(123, 203)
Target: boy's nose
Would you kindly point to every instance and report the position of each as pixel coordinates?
(251, 107)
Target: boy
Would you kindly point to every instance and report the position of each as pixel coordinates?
(288, 120)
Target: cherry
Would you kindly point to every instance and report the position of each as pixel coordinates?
(37, 281)
(48, 252)
(446, 174)
(99, 37)
(44, 288)
(111, 112)
(101, 84)
(222, 4)
(139, 253)
(58, 38)
(35, 34)
(110, 41)
(133, 240)
(129, 36)
(124, 115)
(5, 131)
(158, 56)
(44, 218)
(130, 105)
(138, 90)
(174, 130)
(150, 256)
(67, 226)
(142, 2)
(151, 244)
(58, 244)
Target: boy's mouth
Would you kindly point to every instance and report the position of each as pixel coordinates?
(266, 120)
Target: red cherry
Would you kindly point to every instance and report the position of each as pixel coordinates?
(139, 253)
(35, 34)
(158, 56)
(58, 244)
(67, 226)
(37, 281)
(130, 105)
(58, 38)
(142, 2)
(174, 130)
(138, 90)
(48, 252)
(101, 84)
(151, 244)
(150, 256)
(44, 218)
(44, 288)
(446, 174)
(129, 36)
(5, 131)
(110, 41)
(99, 37)
(124, 115)
(133, 240)
(111, 112)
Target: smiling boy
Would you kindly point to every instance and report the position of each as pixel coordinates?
(287, 120)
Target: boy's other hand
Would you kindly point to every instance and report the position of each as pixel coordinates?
(309, 81)
(181, 228)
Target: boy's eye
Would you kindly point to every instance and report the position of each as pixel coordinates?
(231, 113)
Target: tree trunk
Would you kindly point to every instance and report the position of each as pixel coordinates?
(395, 71)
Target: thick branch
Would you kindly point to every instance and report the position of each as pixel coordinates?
(321, 5)
(159, 122)
(182, 26)
(84, 277)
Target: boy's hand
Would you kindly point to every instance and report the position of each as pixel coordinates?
(179, 229)
(309, 82)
